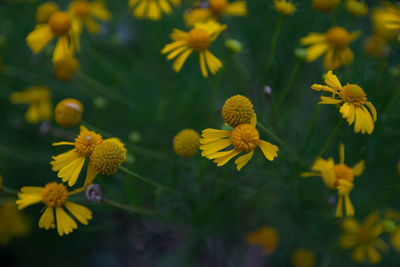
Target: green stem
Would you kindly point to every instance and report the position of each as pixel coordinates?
(290, 81)
(274, 42)
(133, 174)
(310, 130)
(325, 147)
(129, 208)
(276, 138)
(8, 190)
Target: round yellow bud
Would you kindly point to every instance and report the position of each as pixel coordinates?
(108, 156)
(59, 23)
(44, 12)
(186, 143)
(68, 112)
(65, 68)
(237, 110)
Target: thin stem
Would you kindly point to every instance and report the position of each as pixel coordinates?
(290, 81)
(276, 138)
(131, 173)
(8, 190)
(129, 208)
(274, 42)
(310, 129)
(78, 190)
(325, 147)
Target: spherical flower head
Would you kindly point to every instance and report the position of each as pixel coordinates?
(65, 68)
(218, 6)
(325, 5)
(303, 257)
(87, 141)
(80, 8)
(44, 12)
(54, 194)
(245, 137)
(60, 23)
(237, 110)
(338, 37)
(357, 7)
(199, 39)
(186, 143)
(354, 94)
(68, 112)
(266, 237)
(285, 7)
(108, 157)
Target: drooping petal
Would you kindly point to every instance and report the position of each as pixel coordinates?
(372, 109)
(269, 150)
(64, 159)
(70, 172)
(90, 174)
(211, 148)
(223, 160)
(65, 224)
(27, 199)
(349, 206)
(47, 221)
(62, 49)
(203, 64)
(181, 60)
(39, 38)
(81, 213)
(339, 207)
(315, 51)
(243, 160)
(213, 63)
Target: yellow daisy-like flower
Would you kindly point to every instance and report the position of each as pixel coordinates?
(68, 112)
(266, 237)
(363, 239)
(303, 257)
(44, 12)
(357, 7)
(58, 25)
(186, 143)
(339, 177)
(12, 223)
(285, 7)
(54, 196)
(353, 102)
(152, 9)
(39, 100)
(199, 40)
(325, 5)
(334, 43)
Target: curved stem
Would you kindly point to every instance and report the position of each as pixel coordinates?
(133, 174)
(290, 81)
(129, 208)
(325, 147)
(274, 42)
(276, 138)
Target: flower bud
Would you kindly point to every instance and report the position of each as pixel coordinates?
(234, 46)
(300, 53)
(93, 193)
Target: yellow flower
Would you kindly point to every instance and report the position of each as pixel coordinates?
(68, 112)
(65, 68)
(285, 7)
(186, 143)
(266, 237)
(335, 43)
(363, 239)
(303, 257)
(354, 101)
(357, 7)
(198, 39)
(39, 100)
(339, 177)
(325, 5)
(380, 18)
(44, 12)
(58, 25)
(12, 223)
(152, 9)
(54, 196)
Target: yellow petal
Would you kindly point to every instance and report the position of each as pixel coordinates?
(341, 153)
(315, 51)
(213, 63)
(223, 160)
(47, 219)
(39, 38)
(313, 38)
(339, 207)
(62, 49)
(243, 160)
(181, 60)
(329, 100)
(91, 174)
(358, 168)
(65, 224)
(332, 81)
(203, 64)
(237, 8)
(269, 150)
(81, 213)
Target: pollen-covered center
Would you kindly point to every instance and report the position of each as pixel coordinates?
(199, 39)
(59, 23)
(81, 8)
(338, 37)
(108, 157)
(237, 110)
(354, 94)
(54, 194)
(86, 142)
(343, 172)
(245, 137)
(218, 6)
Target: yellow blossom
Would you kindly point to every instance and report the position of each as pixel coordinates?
(380, 18)
(266, 237)
(353, 102)
(357, 7)
(285, 7)
(68, 112)
(12, 223)
(303, 257)
(186, 143)
(65, 68)
(44, 12)
(152, 9)
(325, 5)
(339, 177)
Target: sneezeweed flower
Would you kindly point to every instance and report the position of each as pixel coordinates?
(303, 257)
(285, 7)
(334, 43)
(39, 100)
(390, 18)
(12, 223)
(44, 12)
(339, 177)
(152, 9)
(65, 68)
(325, 5)
(352, 101)
(55, 197)
(363, 239)
(199, 40)
(68, 112)
(237, 110)
(357, 7)
(266, 237)
(58, 25)
(186, 143)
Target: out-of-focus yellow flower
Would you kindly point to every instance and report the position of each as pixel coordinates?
(55, 197)
(266, 237)
(58, 25)
(379, 20)
(303, 257)
(13, 223)
(354, 102)
(390, 18)
(363, 239)
(339, 177)
(44, 12)
(285, 7)
(357, 7)
(152, 9)
(199, 40)
(68, 112)
(186, 143)
(334, 43)
(325, 5)
(39, 100)
(391, 225)
(65, 68)
(376, 46)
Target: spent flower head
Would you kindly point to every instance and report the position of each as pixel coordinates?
(68, 112)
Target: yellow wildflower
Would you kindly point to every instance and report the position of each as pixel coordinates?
(325, 5)
(391, 18)
(339, 177)
(303, 257)
(285, 7)
(152, 9)
(237, 110)
(363, 239)
(335, 43)
(44, 12)
(55, 197)
(12, 223)
(68, 112)
(266, 237)
(354, 101)
(39, 100)
(186, 143)
(380, 17)
(357, 7)
(198, 39)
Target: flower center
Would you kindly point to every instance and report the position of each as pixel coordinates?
(186, 143)
(343, 172)
(108, 157)
(354, 94)
(54, 194)
(218, 6)
(338, 37)
(199, 39)
(86, 142)
(59, 23)
(245, 137)
(81, 8)
(237, 110)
